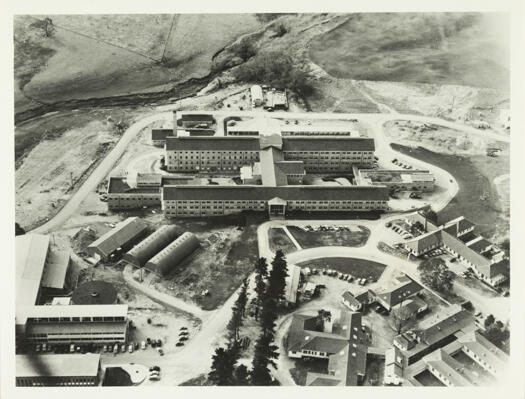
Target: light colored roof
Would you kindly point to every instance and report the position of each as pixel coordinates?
(31, 253)
(121, 234)
(292, 283)
(67, 365)
(72, 311)
(56, 270)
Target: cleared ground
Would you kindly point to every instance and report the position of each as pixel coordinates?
(445, 48)
(355, 236)
(477, 199)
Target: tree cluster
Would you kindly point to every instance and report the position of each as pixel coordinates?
(436, 274)
(275, 68)
(269, 290)
(497, 333)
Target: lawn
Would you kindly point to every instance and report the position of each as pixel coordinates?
(279, 240)
(359, 268)
(227, 256)
(356, 236)
(438, 48)
(477, 199)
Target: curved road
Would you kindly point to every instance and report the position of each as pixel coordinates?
(100, 172)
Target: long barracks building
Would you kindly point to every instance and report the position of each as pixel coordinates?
(228, 154)
(223, 200)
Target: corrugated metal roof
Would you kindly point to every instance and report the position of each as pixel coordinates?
(173, 254)
(263, 193)
(120, 235)
(67, 365)
(150, 246)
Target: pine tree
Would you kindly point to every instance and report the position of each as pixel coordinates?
(242, 375)
(268, 316)
(277, 277)
(261, 272)
(238, 311)
(265, 355)
(222, 367)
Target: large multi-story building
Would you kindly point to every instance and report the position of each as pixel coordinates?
(213, 200)
(403, 180)
(229, 154)
(67, 324)
(58, 370)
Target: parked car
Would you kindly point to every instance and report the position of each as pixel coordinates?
(154, 377)
(130, 348)
(123, 348)
(72, 348)
(105, 348)
(161, 352)
(148, 341)
(179, 344)
(159, 343)
(143, 345)
(110, 348)
(183, 338)
(154, 368)
(184, 328)
(115, 348)
(153, 343)
(137, 346)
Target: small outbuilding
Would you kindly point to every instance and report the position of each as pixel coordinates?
(151, 245)
(167, 259)
(121, 236)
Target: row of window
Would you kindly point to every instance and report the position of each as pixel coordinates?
(42, 320)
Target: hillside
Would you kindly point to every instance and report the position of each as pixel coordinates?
(437, 48)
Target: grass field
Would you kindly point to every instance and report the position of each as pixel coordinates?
(477, 199)
(356, 237)
(359, 268)
(442, 48)
(102, 56)
(279, 240)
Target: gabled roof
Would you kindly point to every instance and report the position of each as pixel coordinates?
(348, 297)
(120, 235)
(447, 367)
(402, 287)
(436, 328)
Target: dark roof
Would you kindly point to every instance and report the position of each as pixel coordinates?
(118, 185)
(149, 178)
(480, 245)
(95, 292)
(291, 167)
(229, 143)
(328, 144)
(405, 288)
(197, 117)
(262, 193)
(161, 134)
(121, 234)
(347, 296)
(151, 245)
(439, 327)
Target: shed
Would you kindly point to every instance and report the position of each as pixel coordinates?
(151, 245)
(122, 235)
(173, 254)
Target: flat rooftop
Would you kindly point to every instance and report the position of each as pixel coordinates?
(31, 253)
(60, 365)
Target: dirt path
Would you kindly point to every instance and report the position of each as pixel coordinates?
(99, 173)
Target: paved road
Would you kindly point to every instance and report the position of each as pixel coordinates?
(100, 172)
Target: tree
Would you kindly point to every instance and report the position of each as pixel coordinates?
(436, 274)
(261, 272)
(242, 375)
(268, 316)
(265, 355)
(430, 214)
(322, 316)
(46, 25)
(489, 320)
(277, 277)
(238, 311)
(401, 318)
(222, 367)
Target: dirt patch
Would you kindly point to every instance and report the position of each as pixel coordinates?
(359, 268)
(226, 257)
(279, 240)
(355, 236)
(477, 199)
